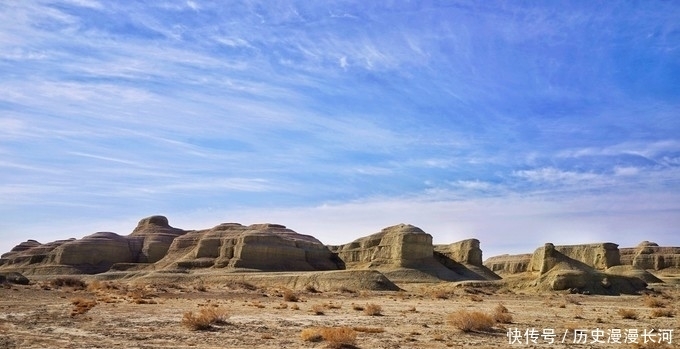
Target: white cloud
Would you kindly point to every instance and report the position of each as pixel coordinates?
(626, 171)
(554, 175)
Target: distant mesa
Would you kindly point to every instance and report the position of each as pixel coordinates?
(405, 253)
(401, 253)
(588, 268)
(649, 255)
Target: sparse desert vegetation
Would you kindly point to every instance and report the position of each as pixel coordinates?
(244, 315)
(372, 309)
(204, 318)
(468, 321)
(337, 337)
(628, 314)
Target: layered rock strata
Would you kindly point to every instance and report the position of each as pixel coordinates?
(265, 247)
(649, 255)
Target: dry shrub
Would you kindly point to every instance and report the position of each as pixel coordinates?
(294, 307)
(331, 305)
(281, 305)
(501, 314)
(467, 321)
(290, 296)
(141, 295)
(628, 314)
(69, 282)
(440, 294)
(82, 305)
(204, 318)
(373, 309)
(311, 335)
(476, 298)
(337, 337)
(369, 329)
(317, 309)
(662, 313)
(654, 302)
(96, 285)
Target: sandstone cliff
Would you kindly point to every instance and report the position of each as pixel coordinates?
(401, 245)
(598, 256)
(649, 255)
(593, 268)
(94, 253)
(509, 264)
(465, 258)
(265, 247)
(405, 253)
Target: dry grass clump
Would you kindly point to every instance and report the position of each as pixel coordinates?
(318, 309)
(294, 307)
(476, 298)
(653, 302)
(628, 314)
(141, 295)
(69, 282)
(204, 318)
(440, 294)
(311, 289)
(290, 296)
(311, 335)
(468, 321)
(501, 314)
(337, 337)
(82, 305)
(658, 312)
(373, 309)
(331, 305)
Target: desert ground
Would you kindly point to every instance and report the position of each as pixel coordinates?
(81, 312)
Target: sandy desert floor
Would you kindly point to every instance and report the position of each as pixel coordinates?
(129, 315)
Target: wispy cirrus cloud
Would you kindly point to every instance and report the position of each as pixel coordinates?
(338, 108)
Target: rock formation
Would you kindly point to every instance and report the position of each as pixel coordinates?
(13, 278)
(405, 253)
(465, 258)
(94, 253)
(651, 256)
(592, 268)
(401, 245)
(597, 256)
(265, 247)
(509, 264)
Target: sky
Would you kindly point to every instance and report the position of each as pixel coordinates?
(516, 123)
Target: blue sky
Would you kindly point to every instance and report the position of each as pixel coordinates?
(518, 123)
